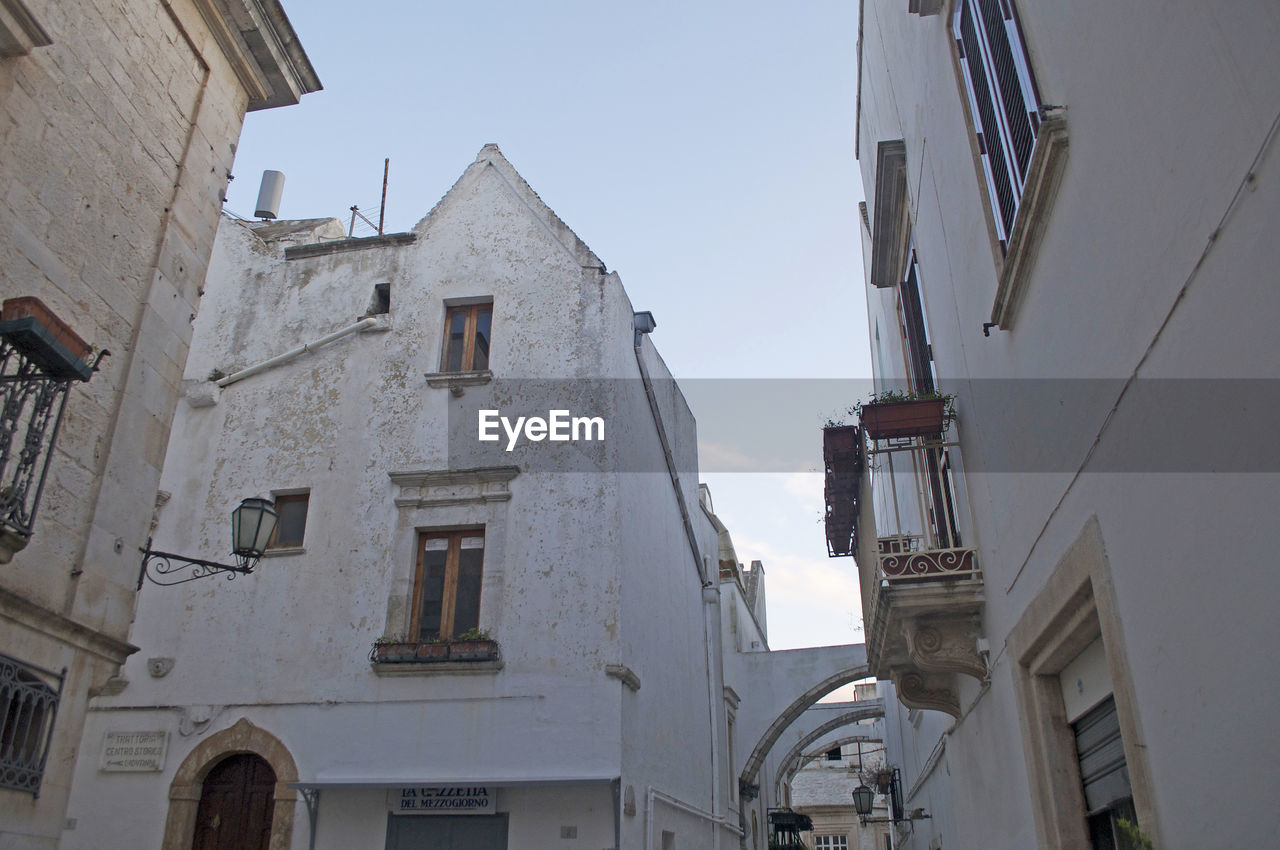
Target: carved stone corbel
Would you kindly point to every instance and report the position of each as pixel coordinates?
(944, 646)
(933, 691)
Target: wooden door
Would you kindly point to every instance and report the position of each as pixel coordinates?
(235, 805)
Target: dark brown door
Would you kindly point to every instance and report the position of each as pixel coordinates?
(235, 805)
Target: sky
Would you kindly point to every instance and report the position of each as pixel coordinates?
(703, 150)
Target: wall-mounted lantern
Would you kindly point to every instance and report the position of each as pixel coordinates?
(864, 802)
(40, 357)
(251, 527)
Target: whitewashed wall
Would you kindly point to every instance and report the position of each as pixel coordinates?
(1139, 275)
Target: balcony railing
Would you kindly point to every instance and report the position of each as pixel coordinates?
(40, 357)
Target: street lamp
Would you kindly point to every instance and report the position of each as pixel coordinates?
(864, 801)
(252, 524)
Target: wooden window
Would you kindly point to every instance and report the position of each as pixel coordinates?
(291, 520)
(1002, 100)
(446, 587)
(466, 343)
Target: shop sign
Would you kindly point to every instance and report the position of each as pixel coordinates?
(441, 800)
(133, 751)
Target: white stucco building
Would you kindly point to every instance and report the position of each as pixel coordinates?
(608, 707)
(1069, 227)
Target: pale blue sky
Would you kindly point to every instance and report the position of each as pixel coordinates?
(703, 150)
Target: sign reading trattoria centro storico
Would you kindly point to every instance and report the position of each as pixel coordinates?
(441, 800)
(133, 751)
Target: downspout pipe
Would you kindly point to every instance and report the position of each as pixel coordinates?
(302, 349)
(643, 323)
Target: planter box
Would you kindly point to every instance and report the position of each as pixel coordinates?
(839, 442)
(432, 652)
(30, 307)
(390, 653)
(44, 339)
(923, 417)
(473, 650)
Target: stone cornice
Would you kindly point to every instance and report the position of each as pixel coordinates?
(37, 618)
(263, 49)
(19, 29)
(440, 487)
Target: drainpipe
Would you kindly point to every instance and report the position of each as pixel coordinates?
(302, 349)
(643, 323)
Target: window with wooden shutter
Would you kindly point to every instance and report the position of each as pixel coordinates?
(1002, 99)
(447, 584)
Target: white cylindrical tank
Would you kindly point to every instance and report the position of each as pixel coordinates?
(269, 195)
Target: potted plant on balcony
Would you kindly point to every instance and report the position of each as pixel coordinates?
(473, 645)
(435, 649)
(393, 649)
(894, 414)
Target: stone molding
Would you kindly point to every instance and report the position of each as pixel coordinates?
(623, 674)
(933, 691)
(944, 646)
(262, 49)
(355, 243)
(19, 30)
(439, 488)
(1044, 174)
(889, 214)
(185, 790)
(924, 635)
(52, 624)
(436, 668)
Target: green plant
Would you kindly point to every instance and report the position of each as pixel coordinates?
(1133, 837)
(474, 634)
(390, 639)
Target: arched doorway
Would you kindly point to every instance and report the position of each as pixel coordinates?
(236, 805)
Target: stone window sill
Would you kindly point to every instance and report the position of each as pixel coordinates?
(281, 551)
(1043, 176)
(434, 668)
(456, 382)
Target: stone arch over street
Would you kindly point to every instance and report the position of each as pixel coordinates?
(185, 790)
(794, 680)
(795, 756)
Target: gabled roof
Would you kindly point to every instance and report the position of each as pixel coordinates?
(490, 161)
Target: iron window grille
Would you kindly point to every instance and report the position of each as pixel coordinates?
(36, 371)
(1002, 100)
(29, 698)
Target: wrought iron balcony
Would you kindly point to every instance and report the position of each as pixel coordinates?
(40, 357)
(922, 587)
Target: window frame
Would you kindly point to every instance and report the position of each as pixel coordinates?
(1015, 165)
(28, 711)
(289, 496)
(830, 842)
(472, 312)
(449, 599)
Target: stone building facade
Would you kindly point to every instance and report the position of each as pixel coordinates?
(118, 122)
(1068, 229)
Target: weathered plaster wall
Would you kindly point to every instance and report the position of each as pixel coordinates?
(582, 570)
(1153, 264)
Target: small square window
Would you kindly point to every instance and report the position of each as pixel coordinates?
(466, 337)
(380, 304)
(446, 586)
(291, 520)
